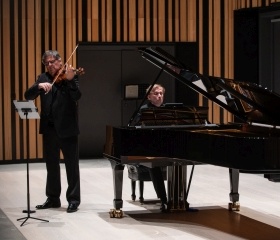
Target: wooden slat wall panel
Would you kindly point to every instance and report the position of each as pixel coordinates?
(39, 20)
(30, 58)
(109, 23)
(216, 53)
(191, 21)
(229, 47)
(200, 45)
(183, 21)
(2, 21)
(95, 21)
(154, 21)
(90, 19)
(132, 20)
(53, 16)
(125, 18)
(16, 134)
(141, 21)
(170, 20)
(23, 61)
(212, 117)
(6, 84)
(177, 22)
(103, 21)
(28, 28)
(161, 21)
(1, 89)
(79, 15)
(118, 20)
(148, 21)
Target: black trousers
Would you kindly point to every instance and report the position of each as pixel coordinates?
(158, 182)
(69, 146)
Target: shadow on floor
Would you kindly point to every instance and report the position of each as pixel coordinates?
(219, 219)
(214, 219)
(8, 231)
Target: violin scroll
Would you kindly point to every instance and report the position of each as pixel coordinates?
(79, 71)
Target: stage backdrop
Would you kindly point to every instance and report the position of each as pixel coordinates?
(108, 69)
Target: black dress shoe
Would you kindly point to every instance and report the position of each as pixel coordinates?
(49, 204)
(72, 207)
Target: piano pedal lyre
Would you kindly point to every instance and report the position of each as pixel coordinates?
(234, 206)
(114, 213)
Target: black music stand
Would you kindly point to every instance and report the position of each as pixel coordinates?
(27, 110)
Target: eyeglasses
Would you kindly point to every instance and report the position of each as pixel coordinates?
(49, 62)
(157, 93)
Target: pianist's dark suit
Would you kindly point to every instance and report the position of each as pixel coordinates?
(59, 126)
(156, 172)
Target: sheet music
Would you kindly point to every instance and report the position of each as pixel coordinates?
(23, 106)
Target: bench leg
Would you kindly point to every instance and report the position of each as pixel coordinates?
(133, 186)
(141, 190)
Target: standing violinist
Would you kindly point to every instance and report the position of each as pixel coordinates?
(59, 93)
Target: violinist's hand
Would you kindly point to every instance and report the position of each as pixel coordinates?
(69, 72)
(45, 86)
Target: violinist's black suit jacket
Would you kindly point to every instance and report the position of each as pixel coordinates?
(59, 106)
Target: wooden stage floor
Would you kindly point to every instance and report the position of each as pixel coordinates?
(258, 218)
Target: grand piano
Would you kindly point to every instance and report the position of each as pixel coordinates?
(250, 144)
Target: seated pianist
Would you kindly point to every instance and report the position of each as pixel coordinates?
(155, 99)
(190, 115)
(156, 113)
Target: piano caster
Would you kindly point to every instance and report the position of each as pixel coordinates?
(112, 213)
(234, 206)
(116, 213)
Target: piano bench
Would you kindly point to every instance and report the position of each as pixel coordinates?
(140, 173)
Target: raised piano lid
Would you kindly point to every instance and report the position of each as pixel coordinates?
(249, 102)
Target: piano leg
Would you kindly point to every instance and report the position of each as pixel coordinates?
(234, 195)
(118, 185)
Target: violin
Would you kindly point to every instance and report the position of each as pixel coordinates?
(61, 76)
